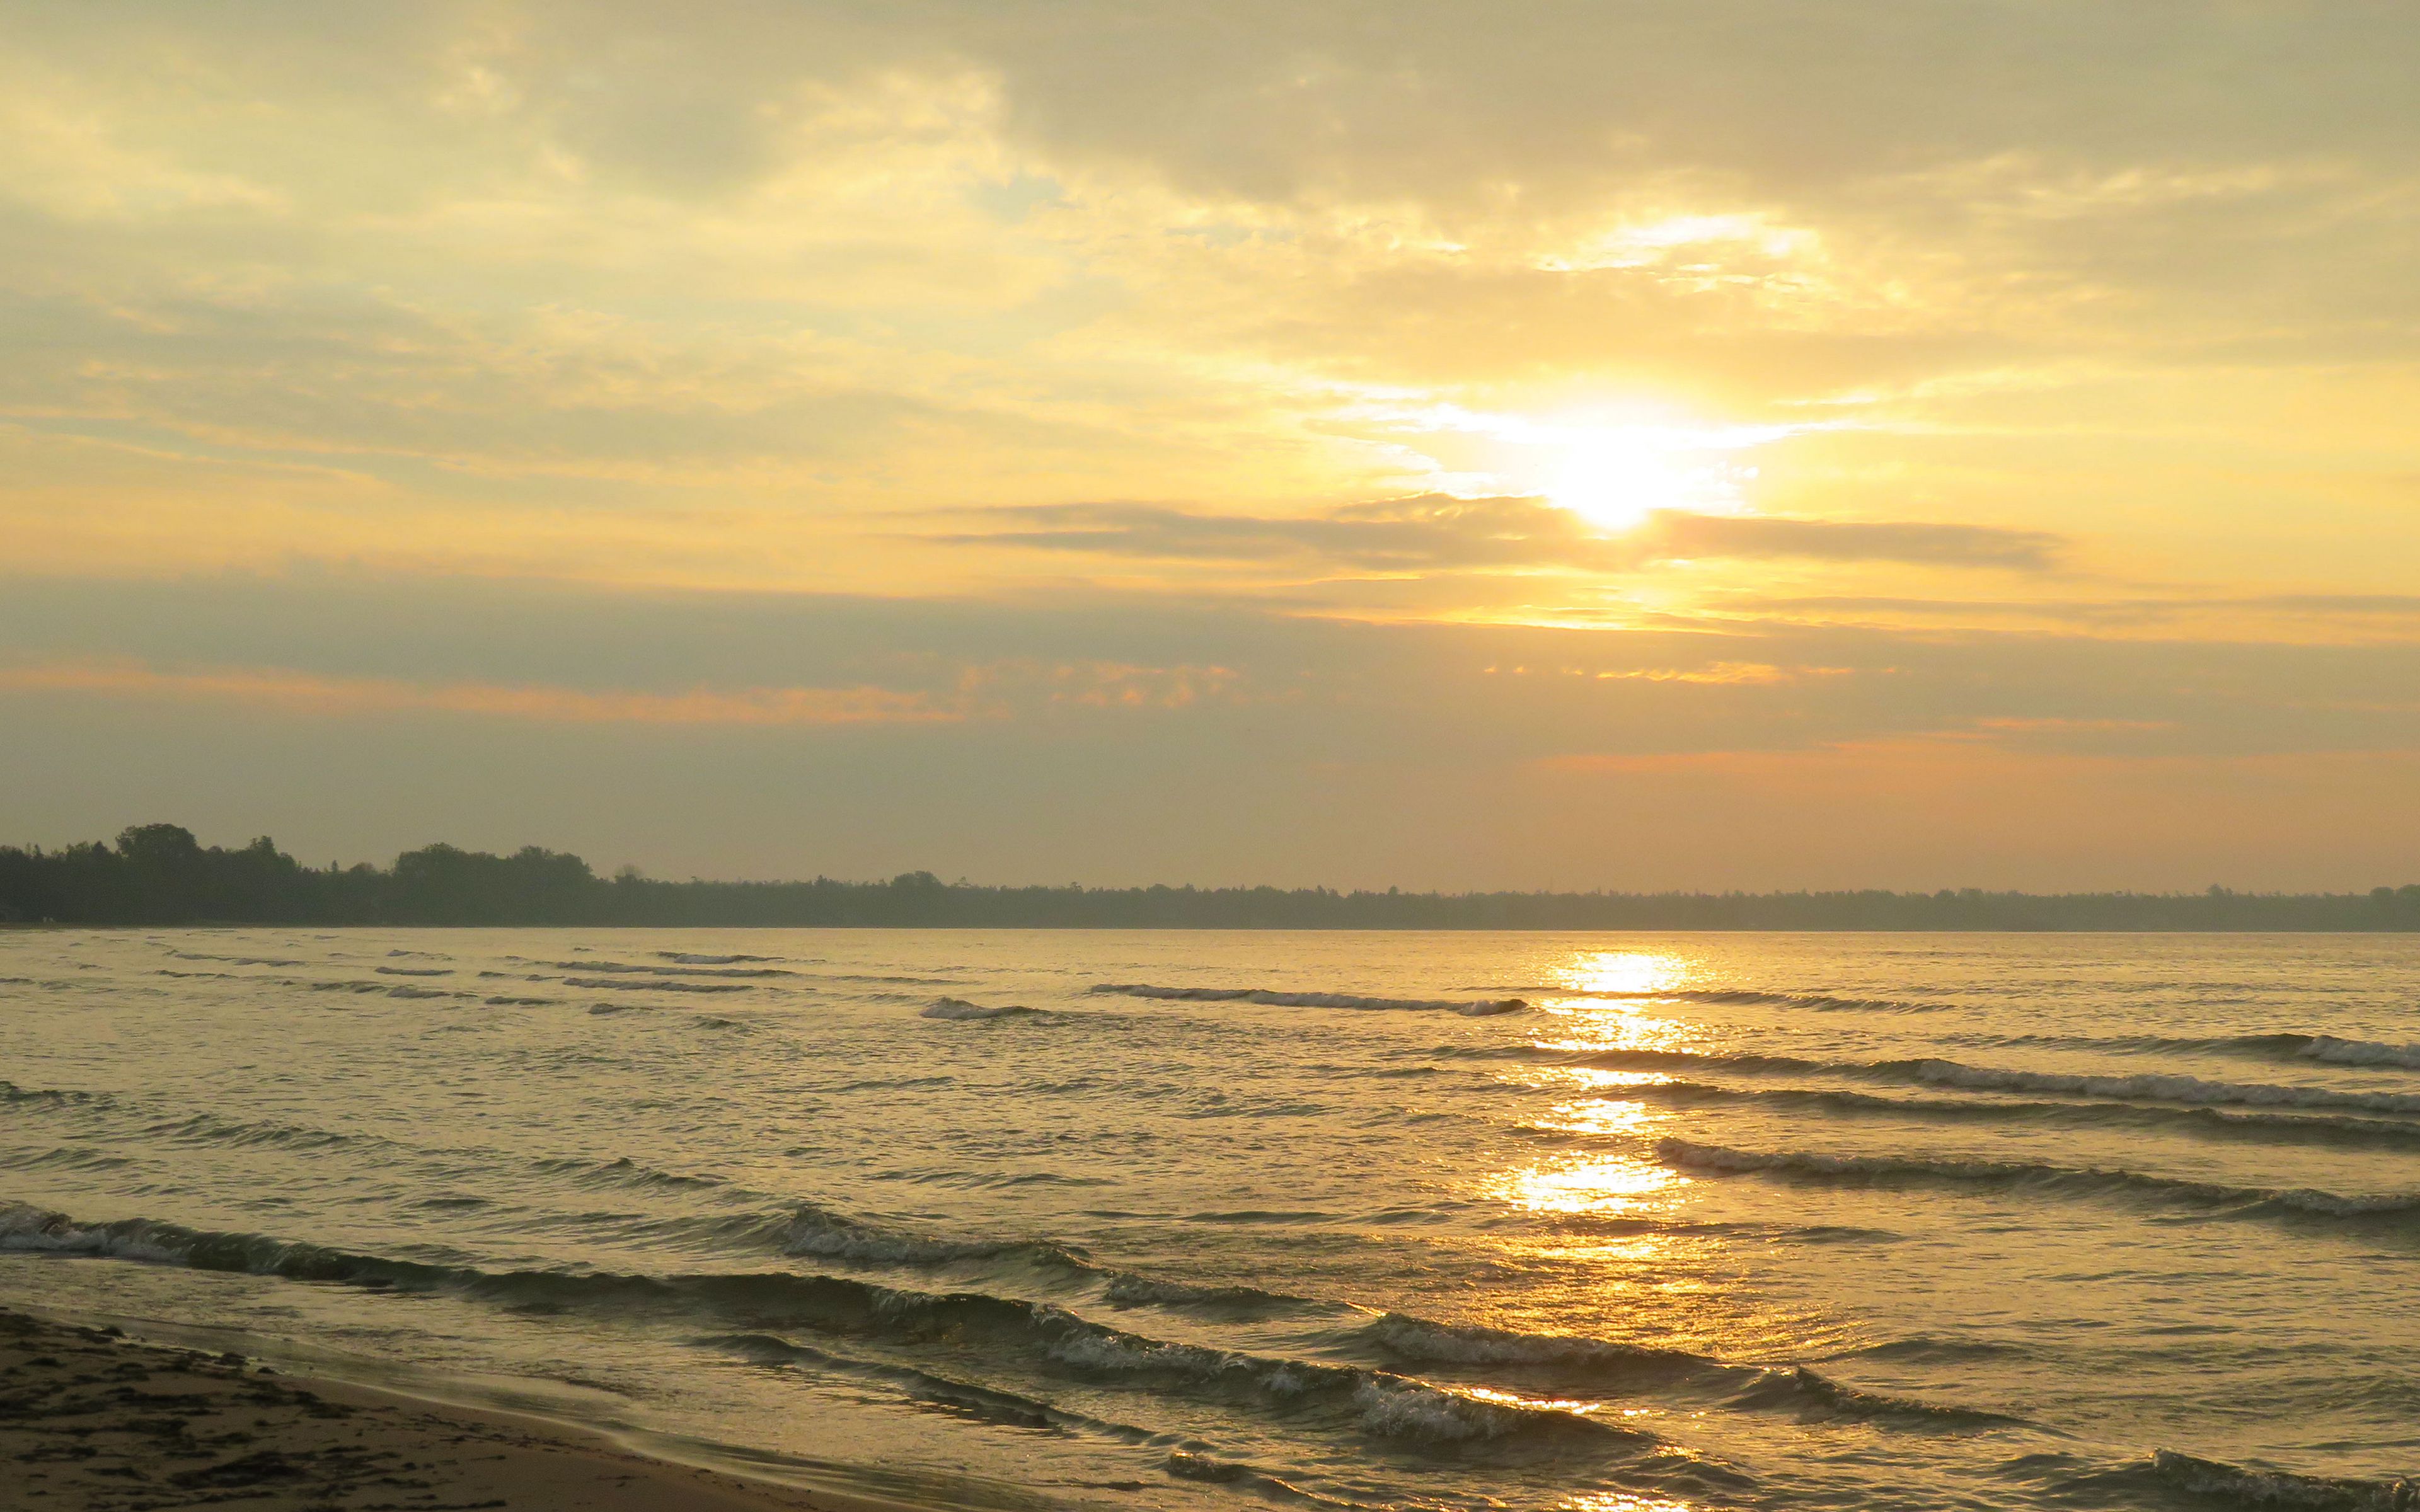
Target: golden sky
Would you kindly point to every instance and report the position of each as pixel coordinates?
(1731, 442)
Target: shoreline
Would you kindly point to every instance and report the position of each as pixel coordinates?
(99, 1420)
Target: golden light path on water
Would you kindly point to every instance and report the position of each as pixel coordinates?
(1613, 1006)
(1631, 1267)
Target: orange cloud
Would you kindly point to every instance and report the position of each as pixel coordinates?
(304, 692)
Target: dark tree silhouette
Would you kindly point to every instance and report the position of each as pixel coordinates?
(160, 874)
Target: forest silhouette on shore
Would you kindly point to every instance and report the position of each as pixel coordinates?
(160, 874)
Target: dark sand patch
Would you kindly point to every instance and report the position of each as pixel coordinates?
(93, 1421)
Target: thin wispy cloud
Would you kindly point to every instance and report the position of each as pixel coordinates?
(300, 692)
(1446, 533)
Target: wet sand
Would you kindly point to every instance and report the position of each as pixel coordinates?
(91, 1419)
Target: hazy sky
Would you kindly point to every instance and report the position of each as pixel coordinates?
(1630, 443)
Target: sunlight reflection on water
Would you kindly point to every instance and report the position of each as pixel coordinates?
(1622, 973)
(1586, 1183)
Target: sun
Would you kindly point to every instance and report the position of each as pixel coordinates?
(1616, 476)
(1612, 466)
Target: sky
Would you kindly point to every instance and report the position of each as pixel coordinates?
(1628, 444)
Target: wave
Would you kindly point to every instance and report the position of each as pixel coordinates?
(1032, 1340)
(414, 971)
(1276, 999)
(624, 1172)
(958, 1008)
(2264, 1201)
(610, 984)
(947, 1393)
(64, 1158)
(2329, 1048)
(1185, 1465)
(232, 960)
(2276, 1488)
(2274, 1128)
(2168, 1472)
(2154, 1086)
(812, 1228)
(2282, 1046)
(1572, 1363)
(1408, 1340)
(1813, 1394)
(626, 969)
(208, 1128)
(15, 1096)
(1817, 1002)
(688, 958)
(1126, 1290)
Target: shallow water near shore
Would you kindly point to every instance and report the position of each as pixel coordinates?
(1186, 1220)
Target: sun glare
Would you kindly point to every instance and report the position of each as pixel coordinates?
(1613, 467)
(1616, 477)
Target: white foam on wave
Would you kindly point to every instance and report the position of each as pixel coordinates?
(2329, 1048)
(2243, 1487)
(26, 1229)
(2011, 1174)
(626, 984)
(958, 1008)
(2162, 1086)
(1276, 999)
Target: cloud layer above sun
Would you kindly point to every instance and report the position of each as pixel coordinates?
(1783, 366)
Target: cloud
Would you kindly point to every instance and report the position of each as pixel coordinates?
(1176, 737)
(1673, 534)
(2341, 618)
(352, 696)
(1436, 533)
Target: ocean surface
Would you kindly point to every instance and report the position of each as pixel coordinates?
(1614, 1223)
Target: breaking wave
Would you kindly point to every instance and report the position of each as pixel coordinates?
(812, 1228)
(1569, 1363)
(611, 984)
(621, 968)
(1278, 999)
(2278, 1488)
(958, 1008)
(1031, 1340)
(13, 1095)
(2288, 1128)
(2165, 1474)
(2155, 1086)
(1815, 1002)
(2038, 1177)
(2329, 1048)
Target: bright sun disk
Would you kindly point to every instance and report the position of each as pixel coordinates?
(1616, 477)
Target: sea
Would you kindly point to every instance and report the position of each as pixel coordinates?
(1043, 1219)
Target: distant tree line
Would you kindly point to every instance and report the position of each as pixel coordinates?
(160, 874)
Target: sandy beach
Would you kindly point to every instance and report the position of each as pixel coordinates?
(91, 1418)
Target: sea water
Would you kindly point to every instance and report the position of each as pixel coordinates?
(1617, 1223)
